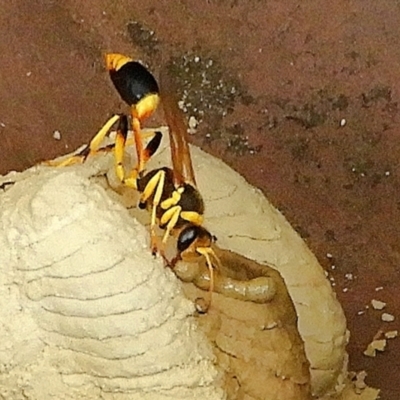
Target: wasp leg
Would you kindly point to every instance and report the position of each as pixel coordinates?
(119, 148)
(121, 140)
(95, 143)
(138, 142)
(168, 221)
(140, 111)
(151, 147)
(78, 158)
(193, 217)
(92, 148)
(144, 153)
(155, 188)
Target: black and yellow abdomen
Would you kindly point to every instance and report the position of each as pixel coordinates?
(134, 82)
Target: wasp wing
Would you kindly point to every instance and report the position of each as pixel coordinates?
(180, 151)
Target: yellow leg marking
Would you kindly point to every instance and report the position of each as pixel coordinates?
(94, 146)
(64, 163)
(119, 151)
(169, 214)
(145, 135)
(138, 141)
(101, 134)
(173, 200)
(156, 202)
(172, 216)
(192, 216)
(159, 190)
(145, 155)
(131, 181)
(156, 186)
(153, 187)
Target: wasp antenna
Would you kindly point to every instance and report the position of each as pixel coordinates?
(216, 259)
(207, 252)
(211, 270)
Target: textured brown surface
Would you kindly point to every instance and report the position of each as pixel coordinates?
(247, 354)
(290, 73)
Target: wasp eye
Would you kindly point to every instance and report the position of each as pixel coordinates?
(187, 237)
(191, 234)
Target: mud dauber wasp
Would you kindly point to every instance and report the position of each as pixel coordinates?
(170, 194)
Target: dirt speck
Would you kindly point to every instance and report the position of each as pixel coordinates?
(143, 38)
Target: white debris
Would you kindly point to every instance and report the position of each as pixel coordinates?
(57, 135)
(391, 334)
(359, 382)
(377, 304)
(193, 123)
(387, 317)
(374, 346)
(342, 122)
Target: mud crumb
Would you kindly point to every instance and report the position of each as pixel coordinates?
(378, 305)
(386, 317)
(359, 381)
(374, 346)
(207, 90)
(143, 37)
(57, 135)
(391, 334)
(193, 123)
